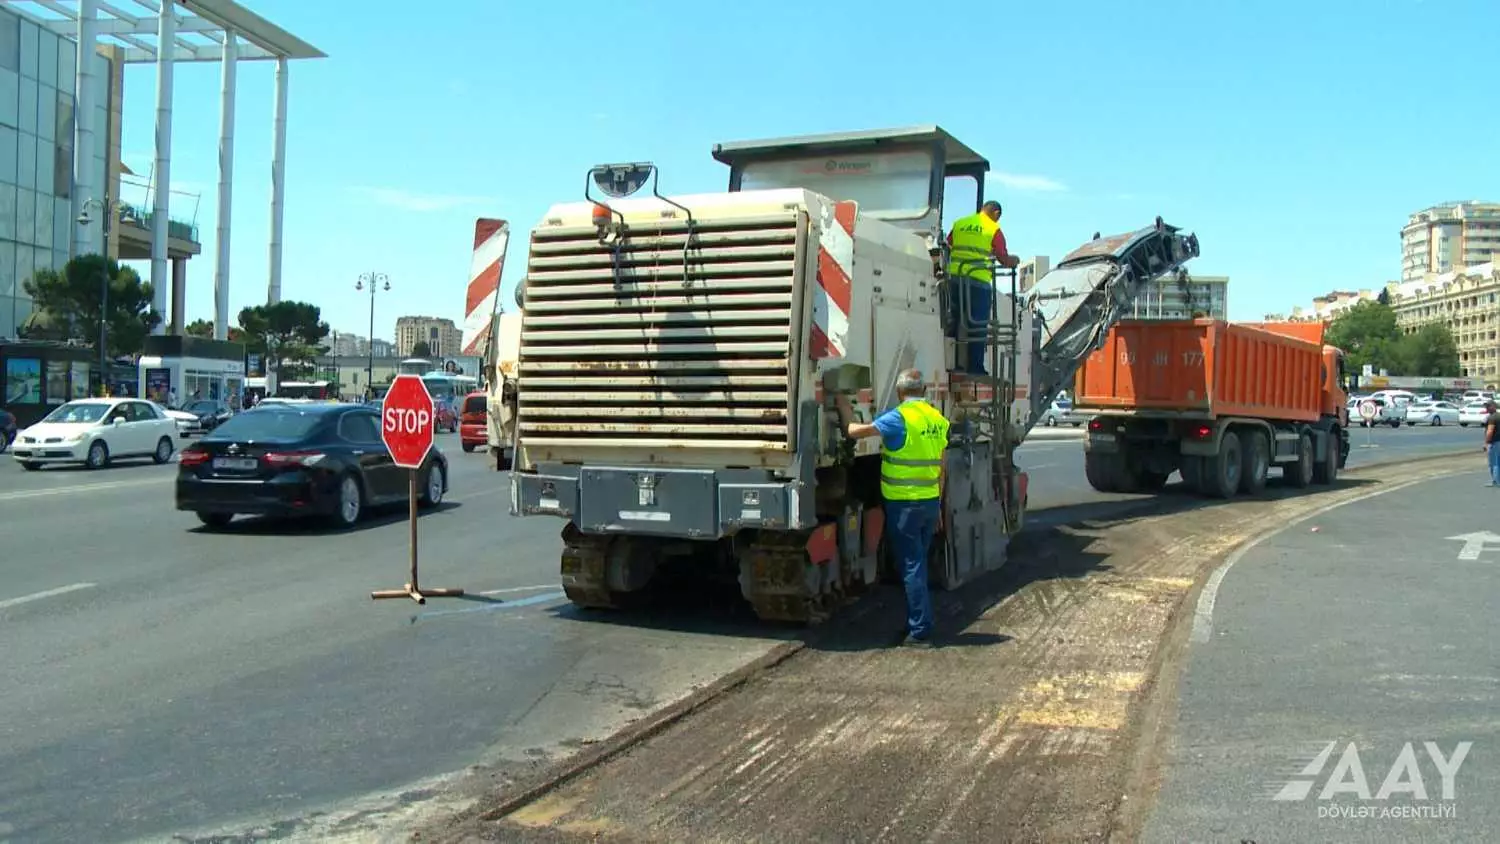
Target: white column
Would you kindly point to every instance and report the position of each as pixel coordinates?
(83, 131)
(166, 51)
(278, 181)
(226, 186)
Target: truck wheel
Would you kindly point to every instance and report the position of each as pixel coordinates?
(1327, 470)
(1099, 469)
(1222, 471)
(1300, 474)
(1192, 472)
(1256, 464)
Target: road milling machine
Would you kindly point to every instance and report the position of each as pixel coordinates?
(681, 357)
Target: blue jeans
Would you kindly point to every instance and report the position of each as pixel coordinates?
(909, 526)
(971, 315)
(1494, 456)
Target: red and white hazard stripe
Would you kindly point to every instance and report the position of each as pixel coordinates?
(834, 293)
(483, 296)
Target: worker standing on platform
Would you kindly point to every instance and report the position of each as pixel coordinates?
(913, 438)
(973, 242)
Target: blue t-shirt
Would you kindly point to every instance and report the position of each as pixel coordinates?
(892, 429)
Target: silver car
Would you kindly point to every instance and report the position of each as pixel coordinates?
(1061, 413)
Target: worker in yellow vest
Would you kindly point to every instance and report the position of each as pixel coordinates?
(913, 440)
(973, 242)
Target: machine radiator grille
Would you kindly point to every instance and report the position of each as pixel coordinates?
(658, 346)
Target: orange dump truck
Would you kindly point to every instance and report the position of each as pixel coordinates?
(1219, 402)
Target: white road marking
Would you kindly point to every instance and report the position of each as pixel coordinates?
(37, 596)
(519, 589)
(1203, 616)
(68, 490)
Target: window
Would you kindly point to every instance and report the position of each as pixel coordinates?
(360, 428)
(10, 41)
(142, 412)
(888, 184)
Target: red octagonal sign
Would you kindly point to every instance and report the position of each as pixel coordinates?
(408, 421)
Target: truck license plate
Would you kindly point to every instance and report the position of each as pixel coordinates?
(239, 464)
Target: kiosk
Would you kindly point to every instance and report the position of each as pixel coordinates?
(176, 370)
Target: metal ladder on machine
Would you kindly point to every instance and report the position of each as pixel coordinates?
(985, 401)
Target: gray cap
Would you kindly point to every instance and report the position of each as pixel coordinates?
(910, 381)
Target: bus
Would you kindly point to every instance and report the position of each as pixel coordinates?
(449, 388)
(415, 366)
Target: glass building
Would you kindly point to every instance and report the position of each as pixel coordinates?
(37, 73)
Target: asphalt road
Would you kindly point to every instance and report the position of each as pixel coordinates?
(161, 680)
(1372, 631)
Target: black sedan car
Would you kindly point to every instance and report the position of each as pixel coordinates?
(299, 459)
(211, 413)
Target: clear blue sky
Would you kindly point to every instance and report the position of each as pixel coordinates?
(1293, 137)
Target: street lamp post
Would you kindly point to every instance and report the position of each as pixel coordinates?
(107, 210)
(373, 279)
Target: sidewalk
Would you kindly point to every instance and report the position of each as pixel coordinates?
(1372, 625)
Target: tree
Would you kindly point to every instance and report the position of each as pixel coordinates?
(1429, 352)
(1385, 297)
(1368, 334)
(286, 332)
(205, 328)
(69, 302)
(420, 349)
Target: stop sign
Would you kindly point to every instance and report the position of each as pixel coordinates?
(408, 421)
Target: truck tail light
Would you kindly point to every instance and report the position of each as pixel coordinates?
(1203, 432)
(282, 459)
(1096, 424)
(192, 457)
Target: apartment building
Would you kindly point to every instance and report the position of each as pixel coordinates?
(442, 337)
(1468, 302)
(1448, 237)
(1174, 298)
(346, 344)
(1332, 304)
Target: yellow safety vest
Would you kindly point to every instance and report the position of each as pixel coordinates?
(911, 472)
(972, 251)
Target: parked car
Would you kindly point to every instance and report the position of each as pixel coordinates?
(1432, 413)
(96, 432)
(473, 430)
(315, 458)
(1473, 413)
(1387, 413)
(1061, 412)
(8, 428)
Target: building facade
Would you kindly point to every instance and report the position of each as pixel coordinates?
(1195, 296)
(1449, 237)
(37, 114)
(1468, 303)
(345, 344)
(441, 336)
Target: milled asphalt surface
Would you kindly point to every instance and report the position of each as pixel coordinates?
(193, 682)
(1363, 626)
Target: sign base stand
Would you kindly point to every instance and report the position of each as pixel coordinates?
(412, 589)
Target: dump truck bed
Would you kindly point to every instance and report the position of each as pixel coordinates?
(1204, 367)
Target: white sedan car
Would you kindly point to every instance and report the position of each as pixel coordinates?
(1472, 413)
(96, 431)
(1432, 413)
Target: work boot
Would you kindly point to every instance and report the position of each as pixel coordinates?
(914, 642)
